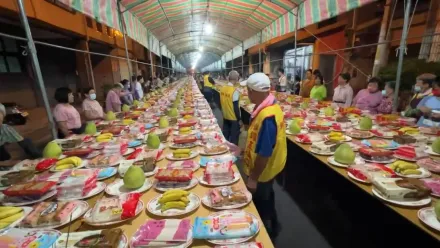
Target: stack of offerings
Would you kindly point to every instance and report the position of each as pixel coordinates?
(162, 233)
(182, 153)
(173, 178)
(115, 208)
(9, 215)
(78, 184)
(216, 173)
(227, 196)
(174, 199)
(29, 191)
(49, 214)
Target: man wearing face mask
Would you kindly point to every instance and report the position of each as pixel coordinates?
(92, 109)
(422, 89)
(67, 117)
(369, 98)
(430, 107)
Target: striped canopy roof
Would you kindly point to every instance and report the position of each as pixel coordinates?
(179, 24)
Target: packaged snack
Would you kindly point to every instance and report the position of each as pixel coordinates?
(78, 184)
(15, 177)
(227, 158)
(78, 152)
(49, 214)
(115, 208)
(162, 233)
(401, 189)
(230, 225)
(173, 178)
(45, 164)
(32, 189)
(218, 173)
(90, 239)
(227, 196)
(186, 164)
(22, 238)
(185, 139)
(104, 161)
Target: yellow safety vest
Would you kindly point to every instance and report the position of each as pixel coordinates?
(277, 161)
(226, 93)
(206, 81)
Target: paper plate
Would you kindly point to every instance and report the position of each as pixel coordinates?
(380, 162)
(408, 203)
(303, 131)
(128, 152)
(82, 165)
(27, 164)
(88, 218)
(26, 211)
(79, 211)
(350, 175)
(100, 186)
(113, 172)
(332, 161)
(207, 202)
(154, 208)
(117, 188)
(20, 202)
(321, 153)
(346, 138)
(69, 240)
(425, 174)
(406, 159)
(202, 152)
(236, 178)
(238, 240)
(191, 185)
(426, 163)
(171, 157)
(428, 217)
(134, 143)
(183, 146)
(431, 152)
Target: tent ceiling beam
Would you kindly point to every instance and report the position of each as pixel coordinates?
(166, 16)
(199, 31)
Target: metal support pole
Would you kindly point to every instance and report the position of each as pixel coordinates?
(121, 19)
(259, 53)
(89, 64)
(160, 55)
(296, 41)
(168, 65)
(242, 63)
(232, 59)
(36, 66)
(151, 55)
(401, 53)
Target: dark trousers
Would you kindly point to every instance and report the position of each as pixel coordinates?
(264, 200)
(207, 93)
(74, 130)
(27, 146)
(231, 131)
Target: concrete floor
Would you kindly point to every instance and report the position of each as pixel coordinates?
(297, 230)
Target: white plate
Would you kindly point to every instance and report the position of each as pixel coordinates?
(100, 186)
(93, 154)
(117, 187)
(79, 211)
(25, 203)
(428, 217)
(26, 211)
(406, 159)
(83, 164)
(125, 164)
(88, 218)
(357, 179)
(380, 162)
(128, 152)
(184, 146)
(332, 161)
(20, 165)
(346, 138)
(303, 131)
(202, 152)
(171, 157)
(114, 170)
(74, 237)
(191, 185)
(409, 203)
(154, 207)
(207, 202)
(238, 240)
(321, 153)
(431, 152)
(236, 178)
(425, 174)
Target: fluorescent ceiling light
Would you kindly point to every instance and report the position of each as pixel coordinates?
(208, 29)
(201, 48)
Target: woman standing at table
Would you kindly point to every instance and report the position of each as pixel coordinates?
(369, 98)
(92, 109)
(307, 84)
(266, 149)
(319, 91)
(66, 116)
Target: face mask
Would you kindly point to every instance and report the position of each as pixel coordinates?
(92, 96)
(417, 88)
(384, 92)
(71, 99)
(436, 92)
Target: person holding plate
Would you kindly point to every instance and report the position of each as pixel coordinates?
(266, 149)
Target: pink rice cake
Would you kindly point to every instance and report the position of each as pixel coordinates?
(49, 213)
(162, 232)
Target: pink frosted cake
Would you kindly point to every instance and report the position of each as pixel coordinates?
(49, 213)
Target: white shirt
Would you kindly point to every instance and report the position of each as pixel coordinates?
(282, 81)
(138, 89)
(236, 95)
(343, 95)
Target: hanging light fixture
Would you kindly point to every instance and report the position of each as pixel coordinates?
(208, 28)
(201, 48)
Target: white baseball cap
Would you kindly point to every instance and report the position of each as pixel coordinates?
(258, 82)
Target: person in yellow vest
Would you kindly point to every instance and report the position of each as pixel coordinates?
(229, 101)
(208, 84)
(266, 149)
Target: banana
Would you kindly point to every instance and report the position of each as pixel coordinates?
(104, 140)
(105, 137)
(12, 218)
(5, 213)
(64, 167)
(185, 200)
(181, 155)
(171, 197)
(173, 204)
(185, 129)
(411, 172)
(76, 161)
(182, 151)
(407, 166)
(4, 224)
(178, 191)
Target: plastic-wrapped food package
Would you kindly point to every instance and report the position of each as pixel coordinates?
(115, 208)
(174, 175)
(227, 196)
(78, 184)
(226, 158)
(31, 189)
(218, 173)
(228, 226)
(162, 233)
(48, 214)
